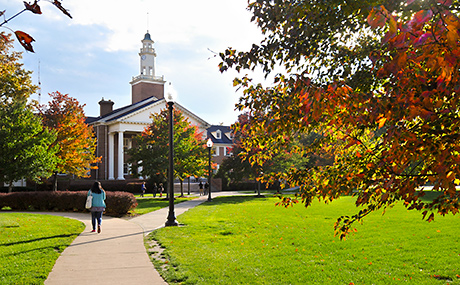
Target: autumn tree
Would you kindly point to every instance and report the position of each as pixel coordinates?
(15, 81)
(25, 151)
(75, 139)
(238, 167)
(378, 80)
(150, 149)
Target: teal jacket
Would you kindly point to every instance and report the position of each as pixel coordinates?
(98, 199)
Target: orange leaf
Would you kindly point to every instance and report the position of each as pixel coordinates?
(452, 35)
(5, 37)
(63, 10)
(422, 16)
(25, 40)
(382, 122)
(377, 17)
(34, 8)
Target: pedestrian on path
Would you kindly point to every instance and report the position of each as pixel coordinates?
(97, 205)
(206, 188)
(143, 188)
(201, 188)
(155, 189)
(160, 189)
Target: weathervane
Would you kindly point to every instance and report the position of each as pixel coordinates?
(25, 39)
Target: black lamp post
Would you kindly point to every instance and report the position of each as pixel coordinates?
(170, 98)
(209, 145)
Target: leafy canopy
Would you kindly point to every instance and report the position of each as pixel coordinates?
(379, 80)
(75, 139)
(24, 141)
(237, 167)
(150, 148)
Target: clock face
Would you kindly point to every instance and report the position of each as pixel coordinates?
(143, 57)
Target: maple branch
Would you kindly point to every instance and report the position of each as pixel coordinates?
(7, 20)
(432, 26)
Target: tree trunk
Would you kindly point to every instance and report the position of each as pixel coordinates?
(181, 187)
(55, 184)
(10, 187)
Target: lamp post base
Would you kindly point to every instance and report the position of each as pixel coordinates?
(171, 222)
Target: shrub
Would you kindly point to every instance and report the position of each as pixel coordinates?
(2, 200)
(118, 203)
(109, 185)
(4, 189)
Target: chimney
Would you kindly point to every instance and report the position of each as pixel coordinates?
(105, 107)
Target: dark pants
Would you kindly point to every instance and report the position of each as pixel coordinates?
(96, 216)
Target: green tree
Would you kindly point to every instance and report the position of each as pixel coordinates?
(25, 151)
(24, 141)
(378, 79)
(151, 148)
(237, 167)
(77, 143)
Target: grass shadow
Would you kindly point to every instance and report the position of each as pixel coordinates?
(232, 200)
(38, 239)
(431, 195)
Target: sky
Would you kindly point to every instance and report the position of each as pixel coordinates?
(94, 55)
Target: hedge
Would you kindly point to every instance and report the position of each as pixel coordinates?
(118, 203)
(108, 186)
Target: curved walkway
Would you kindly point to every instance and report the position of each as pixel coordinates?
(117, 255)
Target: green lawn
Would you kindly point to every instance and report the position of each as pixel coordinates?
(147, 205)
(30, 245)
(243, 240)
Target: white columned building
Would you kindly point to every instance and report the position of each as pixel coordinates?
(111, 156)
(121, 158)
(147, 97)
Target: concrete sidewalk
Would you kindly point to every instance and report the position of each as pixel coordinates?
(115, 256)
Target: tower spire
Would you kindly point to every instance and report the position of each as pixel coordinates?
(147, 22)
(147, 84)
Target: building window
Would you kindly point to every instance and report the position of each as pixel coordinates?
(126, 168)
(216, 151)
(127, 143)
(218, 135)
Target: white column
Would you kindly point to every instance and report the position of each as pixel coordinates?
(111, 156)
(121, 158)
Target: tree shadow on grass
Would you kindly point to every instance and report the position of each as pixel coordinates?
(232, 200)
(432, 195)
(38, 239)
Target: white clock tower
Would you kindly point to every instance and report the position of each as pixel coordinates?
(146, 84)
(147, 56)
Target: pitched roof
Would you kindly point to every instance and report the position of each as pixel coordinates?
(127, 110)
(225, 131)
(123, 111)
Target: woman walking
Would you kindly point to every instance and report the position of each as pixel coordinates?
(97, 206)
